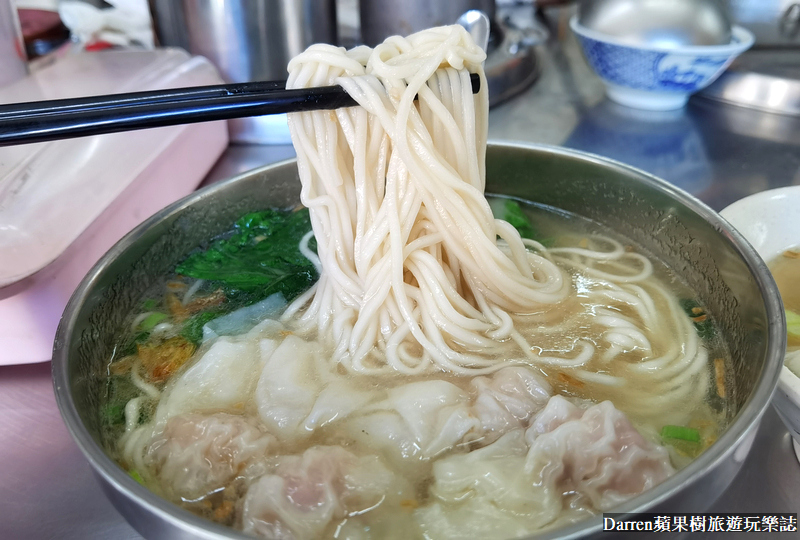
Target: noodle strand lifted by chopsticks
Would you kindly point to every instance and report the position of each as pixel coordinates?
(416, 273)
(406, 240)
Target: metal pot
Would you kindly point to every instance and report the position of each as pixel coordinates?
(247, 40)
(712, 258)
(381, 18)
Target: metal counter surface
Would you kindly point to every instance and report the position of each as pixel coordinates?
(718, 153)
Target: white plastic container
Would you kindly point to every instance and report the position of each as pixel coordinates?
(65, 203)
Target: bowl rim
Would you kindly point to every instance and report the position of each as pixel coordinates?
(789, 382)
(741, 428)
(741, 40)
(760, 197)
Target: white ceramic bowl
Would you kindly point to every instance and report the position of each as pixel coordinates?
(653, 77)
(770, 221)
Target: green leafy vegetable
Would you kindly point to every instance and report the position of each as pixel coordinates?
(114, 414)
(145, 413)
(193, 327)
(261, 256)
(512, 212)
(119, 391)
(129, 347)
(681, 433)
(702, 322)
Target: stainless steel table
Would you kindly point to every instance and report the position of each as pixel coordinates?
(718, 153)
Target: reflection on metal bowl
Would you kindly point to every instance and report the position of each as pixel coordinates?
(667, 23)
(664, 143)
(728, 276)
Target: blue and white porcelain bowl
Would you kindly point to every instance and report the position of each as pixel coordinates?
(653, 77)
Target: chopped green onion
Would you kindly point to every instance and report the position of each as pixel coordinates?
(685, 448)
(681, 433)
(150, 304)
(793, 324)
(151, 321)
(136, 476)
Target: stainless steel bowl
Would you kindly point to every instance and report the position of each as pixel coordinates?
(729, 277)
(662, 23)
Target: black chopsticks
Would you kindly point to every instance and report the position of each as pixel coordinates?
(42, 121)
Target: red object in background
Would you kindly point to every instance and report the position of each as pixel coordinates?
(42, 31)
(98, 46)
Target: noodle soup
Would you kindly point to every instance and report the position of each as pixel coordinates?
(401, 357)
(217, 402)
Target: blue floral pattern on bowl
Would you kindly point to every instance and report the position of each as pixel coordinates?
(652, 70)
(652, 77)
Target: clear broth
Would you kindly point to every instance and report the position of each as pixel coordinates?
(708, 415)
